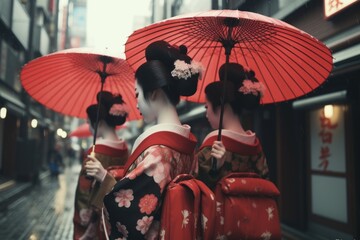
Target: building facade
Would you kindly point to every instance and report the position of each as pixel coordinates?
(27, 129)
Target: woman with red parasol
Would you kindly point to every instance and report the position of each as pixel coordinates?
(161, 152)
(110, 151)
(243, 159)
(243, 149)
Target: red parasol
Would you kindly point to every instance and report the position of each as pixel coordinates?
(83, 131)
(288, 61)
(68, 81)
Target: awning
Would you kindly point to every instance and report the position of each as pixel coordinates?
(12, 101)
(330, 98)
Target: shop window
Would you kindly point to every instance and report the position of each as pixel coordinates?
(3, 60)
(5, 13)
(10, 66)
(328, 177)
(20, 23)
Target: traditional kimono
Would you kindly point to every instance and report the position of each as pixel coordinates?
(243, 154)
(132, 207)
(86, 216)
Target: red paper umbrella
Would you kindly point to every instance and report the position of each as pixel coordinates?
(83, 131)
(288, 61)
(68, 81)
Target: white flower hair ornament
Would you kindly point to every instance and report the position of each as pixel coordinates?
(254, 88)
(119, 110)
(185, 70)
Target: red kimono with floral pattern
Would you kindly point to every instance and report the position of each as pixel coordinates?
(243, 154)
(132, 207)
(86, 217)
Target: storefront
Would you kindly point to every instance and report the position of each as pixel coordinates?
(318, 134)
(11, 111)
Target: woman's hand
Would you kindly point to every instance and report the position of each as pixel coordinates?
(218, 151)
(94, 168)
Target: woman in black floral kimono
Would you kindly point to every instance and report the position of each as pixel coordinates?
(163, 151)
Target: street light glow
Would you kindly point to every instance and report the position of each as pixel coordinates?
(328, 111)
(59, 132)
(3, 112)
(63, 134)
(34, 123)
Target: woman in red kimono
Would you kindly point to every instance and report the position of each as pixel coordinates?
(243, 149)
(132, 207)
(110, 151)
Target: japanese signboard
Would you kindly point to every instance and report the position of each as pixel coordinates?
(332, 7)
(328, 140)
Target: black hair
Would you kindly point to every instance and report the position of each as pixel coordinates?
(236, 74)
(156, 72)
(107, 101)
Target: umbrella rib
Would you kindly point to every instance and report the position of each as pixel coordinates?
(72, 89)
(306, 62)
(216, 70)
(89, 91)
(67, 88)
(285, 47)
(313, 42)
(271, 74)
(275, 59)
(310, 65)
(261, 73)
(287, 63)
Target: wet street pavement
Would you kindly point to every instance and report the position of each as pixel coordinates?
(45, 212)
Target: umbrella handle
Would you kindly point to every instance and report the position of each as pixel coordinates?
(92, 153)
(228, 45)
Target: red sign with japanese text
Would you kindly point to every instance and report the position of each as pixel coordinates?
(327, 140)
(334, 6)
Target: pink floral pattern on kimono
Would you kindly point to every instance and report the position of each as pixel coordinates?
(148, 203)
(150, 174)
(124, 197)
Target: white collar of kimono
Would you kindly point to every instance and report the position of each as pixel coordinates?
(183, 130)
(117, 144)
(247, 138)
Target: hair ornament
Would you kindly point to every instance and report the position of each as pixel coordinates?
(254, 88)
(184, 70)
(119, 110)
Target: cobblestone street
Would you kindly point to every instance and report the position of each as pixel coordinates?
(45, 212)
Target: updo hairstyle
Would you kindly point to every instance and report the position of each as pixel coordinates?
(113, 110)
(238, 95)
(169, 68)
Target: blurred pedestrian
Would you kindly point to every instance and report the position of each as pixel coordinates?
(110, 151)
(70, 153)
(55, 160)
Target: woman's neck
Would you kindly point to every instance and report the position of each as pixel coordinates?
(232, 122)
(110, 134)
(168, 114)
